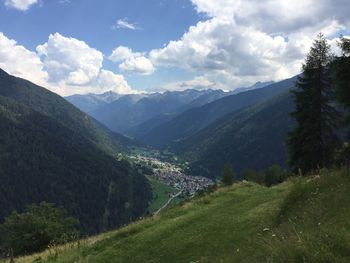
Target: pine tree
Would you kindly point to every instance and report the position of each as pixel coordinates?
(312, 143)
(228, 175)
(342, 75)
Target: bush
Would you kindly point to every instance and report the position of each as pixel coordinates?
(228, 175)
(37, 228)
(274, 175)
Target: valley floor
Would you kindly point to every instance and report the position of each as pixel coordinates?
(302, 220)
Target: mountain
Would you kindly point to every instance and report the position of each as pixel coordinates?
(257, 85)
(147, 126)
(301, 220)
(193, 120)
(131, 110)
(251, 138)
(50, 151)
(90, 102)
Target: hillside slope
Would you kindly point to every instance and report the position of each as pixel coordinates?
(193, 120)
(54, 106)
(302, 220)
(50, 151)
(251, 138)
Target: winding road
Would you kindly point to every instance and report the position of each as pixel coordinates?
(167, 203)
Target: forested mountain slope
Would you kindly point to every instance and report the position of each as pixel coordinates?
(193, 120)
(132, 110)
(50, 151)
(50, 104)
(251, 138)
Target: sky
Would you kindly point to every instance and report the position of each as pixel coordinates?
(132, 46)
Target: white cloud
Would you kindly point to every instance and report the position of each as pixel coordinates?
(21, 62)
(139, 65)
(63, 65)
(134, 62)
(75, 67)
(70, 60)
(199, 82)
(252, 40)
(21, 5)
(124, 24)
(107, 81)
(104, 81)
(122, 53)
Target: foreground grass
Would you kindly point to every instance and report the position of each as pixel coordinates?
(303, 220)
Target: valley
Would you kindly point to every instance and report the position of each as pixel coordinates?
(178, 185)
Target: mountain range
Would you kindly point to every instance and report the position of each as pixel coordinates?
(188, 123)
(209, 129)
(122, 113)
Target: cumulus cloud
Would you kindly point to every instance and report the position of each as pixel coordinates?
(129, 61)
(242, 42)
(122, 53)
(107, 80)
(21, 5)
(63, 65)
(139, 65)
(21, 62)
(70, 59)
(199, 82)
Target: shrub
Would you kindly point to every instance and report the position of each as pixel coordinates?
(37, 228)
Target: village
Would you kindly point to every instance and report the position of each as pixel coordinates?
(173, 176)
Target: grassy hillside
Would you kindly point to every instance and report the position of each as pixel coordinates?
(302, 220)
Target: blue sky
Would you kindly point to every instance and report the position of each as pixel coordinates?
(82, 46)
(157, 23)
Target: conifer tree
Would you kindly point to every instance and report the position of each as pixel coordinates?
(312, 143)
(228, 175)
(342, 75)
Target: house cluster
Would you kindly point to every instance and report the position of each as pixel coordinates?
(189, 185)
(172, 175)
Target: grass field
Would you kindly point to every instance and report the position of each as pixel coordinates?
(160, 194)
(302, 220)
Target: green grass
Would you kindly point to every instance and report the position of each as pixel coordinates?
(302, 220)
(160, 194)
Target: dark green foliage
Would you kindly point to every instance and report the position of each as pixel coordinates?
(228, 175)
(312, 142)
(342, 156)
(342, 76)
(57, 108)
(36, 228)
(251, 175)
(273, 175)
(50, 151)
(45, 161)
(253, 137)
(189, 123)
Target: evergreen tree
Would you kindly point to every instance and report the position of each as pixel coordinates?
(342, 75)
(312, 143)
(273, 175)
(228, 175)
